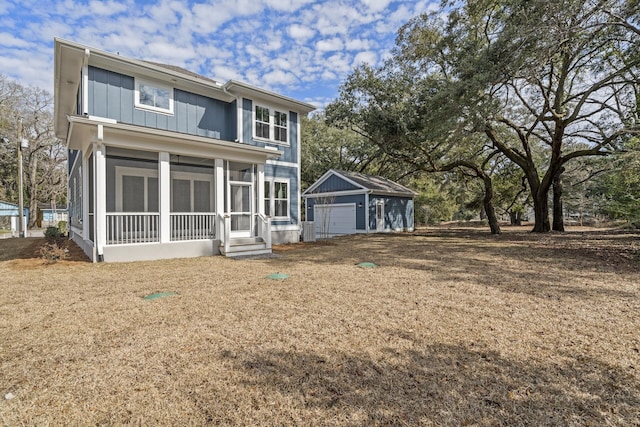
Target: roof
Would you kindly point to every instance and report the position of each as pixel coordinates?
(374, 184)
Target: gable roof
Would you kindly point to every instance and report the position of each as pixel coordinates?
(369, 183)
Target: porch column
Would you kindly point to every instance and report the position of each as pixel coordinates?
(260, 189)
(85, 194)
(164, 196)
(100, 213)
(220, 190)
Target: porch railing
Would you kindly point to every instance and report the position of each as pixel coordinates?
(264, 228)
(193, 226)
(132, 227)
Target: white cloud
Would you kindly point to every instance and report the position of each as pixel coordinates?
(8, 40)
(330, 45)
(376, 5)
(368, 57)
(300, 33)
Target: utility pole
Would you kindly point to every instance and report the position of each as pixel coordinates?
(21, 144)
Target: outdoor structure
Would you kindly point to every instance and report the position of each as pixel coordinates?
(50, 215)
(10, 217)
(350, 202)
(166, 163)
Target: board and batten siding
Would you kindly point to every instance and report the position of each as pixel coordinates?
(398, 212)
(277, 171)
(334, 183)
(111, 95)
(290, 151)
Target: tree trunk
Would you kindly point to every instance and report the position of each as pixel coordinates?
(33, 192)
(541, 210)
(558, 217)
(488, 206)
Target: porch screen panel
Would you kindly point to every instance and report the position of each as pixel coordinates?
(201, 196)
(181, 195)
(152, 195)
(132, 193)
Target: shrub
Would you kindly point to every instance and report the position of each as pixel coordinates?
(52, 253)
(52, 234)
(62, 226)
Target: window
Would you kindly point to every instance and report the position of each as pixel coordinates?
(280, 127)
(262, 122)
(137, 189)
(276, 198)
(271, 124)
(154, 97)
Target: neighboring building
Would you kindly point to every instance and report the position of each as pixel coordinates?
(10, 217)
(49, 215)
(350, 202)
(165, 163)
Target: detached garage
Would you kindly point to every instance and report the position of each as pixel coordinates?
(343, 202)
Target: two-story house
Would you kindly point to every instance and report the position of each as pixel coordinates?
(165, 163)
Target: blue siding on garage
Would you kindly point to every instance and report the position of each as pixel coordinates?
(398, 212)
(354, 198)
(111, 95)
(334, 183)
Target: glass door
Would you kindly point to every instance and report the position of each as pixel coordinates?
(241, 209)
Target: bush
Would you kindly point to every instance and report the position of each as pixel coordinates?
(52, 253)
(62, 226)
(52, 234)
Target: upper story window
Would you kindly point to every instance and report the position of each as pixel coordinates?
(271, 124)
(154, 97)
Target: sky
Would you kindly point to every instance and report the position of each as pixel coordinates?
(303, 49)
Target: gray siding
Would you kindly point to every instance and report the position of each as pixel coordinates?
(354, 198)
(111, 95)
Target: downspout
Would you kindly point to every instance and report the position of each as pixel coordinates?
(85, 83)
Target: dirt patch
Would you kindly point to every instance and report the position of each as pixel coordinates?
(454, 327)
(25, 253)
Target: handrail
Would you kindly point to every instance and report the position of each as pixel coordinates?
(264, 229)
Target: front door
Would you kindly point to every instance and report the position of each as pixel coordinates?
(380, 216)
(241, 209)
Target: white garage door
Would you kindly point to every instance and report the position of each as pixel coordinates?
(334, 220)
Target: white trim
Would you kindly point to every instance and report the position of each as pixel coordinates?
(366, 212)
(131, 171)
(194, 176)
(85, 82)
(285, 164)
(335, 194)
(272, 199)
(298, 160)
(86, 233)
(240, 119)
(156, 85)
(100, 197)
(272, 124)
(164, 195)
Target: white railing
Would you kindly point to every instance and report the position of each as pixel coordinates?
(223, 225)
(264, 229)
(193, 226)
(132, 227)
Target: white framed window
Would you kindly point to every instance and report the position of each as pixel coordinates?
(153, 96)
(276, 198)
(270, 124)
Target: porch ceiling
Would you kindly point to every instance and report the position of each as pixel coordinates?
(67, 67)
(83, 131)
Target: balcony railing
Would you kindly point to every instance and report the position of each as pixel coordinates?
(125, 228)
(193, 226)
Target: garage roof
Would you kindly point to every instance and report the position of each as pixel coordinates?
(368, 183)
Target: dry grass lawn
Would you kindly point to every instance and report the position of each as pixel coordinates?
(454, 327)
